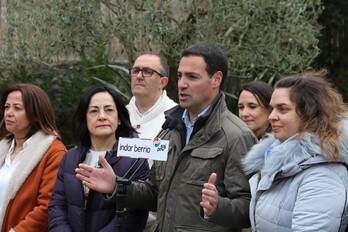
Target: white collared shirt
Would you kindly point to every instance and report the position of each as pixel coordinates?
(8, 168)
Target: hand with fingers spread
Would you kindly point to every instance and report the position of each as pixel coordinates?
(99, 179)
(90, 168)
(210, 196)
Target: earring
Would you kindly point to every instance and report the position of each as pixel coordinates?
(119, 122)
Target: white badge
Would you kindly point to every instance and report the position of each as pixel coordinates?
(155, 149)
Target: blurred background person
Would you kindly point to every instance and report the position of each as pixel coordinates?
(30, 152)
(254, 109)
(149, 77)
(253, 105)
(100, 119)
(300, 178)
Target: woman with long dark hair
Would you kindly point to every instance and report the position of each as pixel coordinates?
(100, 119)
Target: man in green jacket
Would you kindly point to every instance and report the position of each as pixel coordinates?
(204, 138)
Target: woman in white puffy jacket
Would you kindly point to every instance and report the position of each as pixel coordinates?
(299, 177)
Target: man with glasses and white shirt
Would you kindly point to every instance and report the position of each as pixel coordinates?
(149, 77)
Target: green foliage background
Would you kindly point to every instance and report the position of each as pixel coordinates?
(333, 43)
(63, 46)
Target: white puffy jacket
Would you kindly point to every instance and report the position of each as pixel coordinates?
(295, 188)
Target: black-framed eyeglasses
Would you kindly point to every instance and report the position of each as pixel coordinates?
(145, 72)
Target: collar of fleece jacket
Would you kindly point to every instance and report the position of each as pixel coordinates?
(292, 156)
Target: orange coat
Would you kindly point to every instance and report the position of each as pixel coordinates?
(30, 187)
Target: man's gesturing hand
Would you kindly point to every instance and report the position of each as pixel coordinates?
(210, 196)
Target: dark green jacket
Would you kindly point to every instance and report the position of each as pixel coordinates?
(174, 187)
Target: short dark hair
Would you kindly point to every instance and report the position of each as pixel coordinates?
(215, 59)
(261, 91)
(38, 109)
(80, 131)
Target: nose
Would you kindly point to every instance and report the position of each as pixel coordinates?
(244, 113)
(140, 75)
(9, 111)
(101, 115)
(182, 83)
(272, 116)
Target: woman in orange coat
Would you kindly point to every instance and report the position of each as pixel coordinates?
(30, 153)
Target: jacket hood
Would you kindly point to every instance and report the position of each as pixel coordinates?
(293, 155)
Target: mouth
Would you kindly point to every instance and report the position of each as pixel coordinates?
(135, 86)
(183, 96)
(276, 128)
(139, 84)
(103, 125)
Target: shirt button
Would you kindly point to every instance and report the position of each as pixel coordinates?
(138, 126)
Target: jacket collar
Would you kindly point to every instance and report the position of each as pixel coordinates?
(292, 156)
(174, 117)
(177, 112)
(214, 108)
(32, 155)
(110, 156)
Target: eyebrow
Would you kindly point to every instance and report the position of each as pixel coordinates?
(94, 106)
(189, 73)
(280, 105)
(16, 104)
(142, 67)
